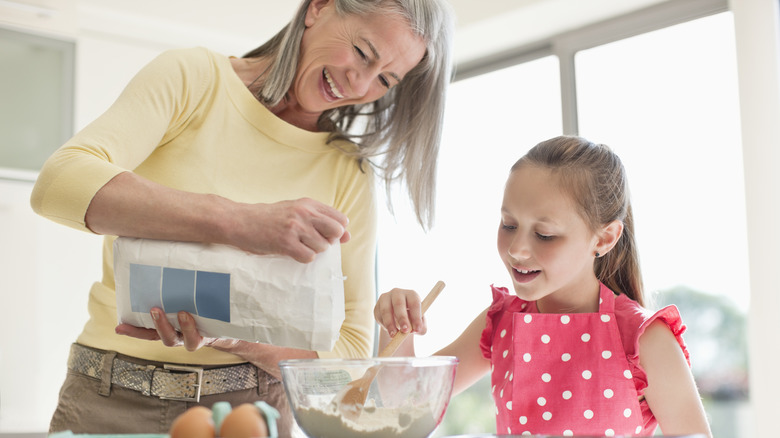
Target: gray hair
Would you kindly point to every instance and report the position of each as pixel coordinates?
(400, 133)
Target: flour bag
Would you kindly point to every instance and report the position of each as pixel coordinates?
(232, 293)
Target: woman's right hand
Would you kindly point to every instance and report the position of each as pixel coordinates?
(400, 310)
(132, 206)
(300, 229)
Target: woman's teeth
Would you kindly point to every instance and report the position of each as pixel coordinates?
(333, 88)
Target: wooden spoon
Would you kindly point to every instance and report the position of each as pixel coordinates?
(352, 397)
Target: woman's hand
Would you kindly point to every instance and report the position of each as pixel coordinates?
(299, 229)
(189, 337)
(132, 206)
(400, 310)
(263, 356)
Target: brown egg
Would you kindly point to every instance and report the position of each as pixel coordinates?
(195, 422)
(244, 421)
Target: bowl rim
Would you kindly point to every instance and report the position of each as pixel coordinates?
(369, 361)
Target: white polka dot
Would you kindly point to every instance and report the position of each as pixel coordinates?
(609, 432)
(547, 415)
(527, 357)
(606, 354)
(588, 414)
(565, 319)
(638, 430)
(585, 337)
(608, 393)
(566, 357)
(524, 305)
(494, 389)
(492, 367)
(566, 395)
(605, 318)
(627, 412)
(546, 339)
(568, 432)
(523, 419)
(541, 401)
(526, 433)
(546, 377)
(509, 431)
(509, 405)
(506, 374)
(511, 376)
(527, 318)
(501, 394)
(587, 374)
(506, 352)
(503, 333)
(627, 374)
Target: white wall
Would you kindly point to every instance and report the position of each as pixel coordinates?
(757, 29)
(46, 269)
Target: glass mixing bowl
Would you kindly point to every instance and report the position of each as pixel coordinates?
(406, 398)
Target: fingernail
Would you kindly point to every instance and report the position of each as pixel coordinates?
(182, 318)
(405, 328)
(155, 315)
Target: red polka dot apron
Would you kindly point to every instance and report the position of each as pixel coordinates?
(563, 374)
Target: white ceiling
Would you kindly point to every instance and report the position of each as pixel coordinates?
(484, 26)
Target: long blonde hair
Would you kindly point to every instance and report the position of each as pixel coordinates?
(400, 133)
(595, 179)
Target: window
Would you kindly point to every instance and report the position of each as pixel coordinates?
(36, 111)
(491, 121)
(667, 102)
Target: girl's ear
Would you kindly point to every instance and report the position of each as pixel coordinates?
(608, 237)
(314, 11)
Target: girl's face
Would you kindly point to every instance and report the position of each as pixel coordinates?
(353, 59)
(545, 244)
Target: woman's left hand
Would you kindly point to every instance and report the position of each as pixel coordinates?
(189, 336)
(263, 356)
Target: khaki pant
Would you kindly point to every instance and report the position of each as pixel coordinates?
(82, 410)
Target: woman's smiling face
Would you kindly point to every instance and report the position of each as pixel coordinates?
(352, 59)
(546, 246)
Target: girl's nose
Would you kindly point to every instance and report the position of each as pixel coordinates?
(519, 248)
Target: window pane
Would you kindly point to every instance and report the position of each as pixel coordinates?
(36, 85)
(667, 103)
(491, 121)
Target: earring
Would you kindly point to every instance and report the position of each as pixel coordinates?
(598, 255)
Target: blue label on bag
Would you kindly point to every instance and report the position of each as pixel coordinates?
(202, 293)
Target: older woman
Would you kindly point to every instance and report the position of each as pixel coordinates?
(273, 153)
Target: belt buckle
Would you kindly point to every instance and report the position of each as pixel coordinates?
(198, 382)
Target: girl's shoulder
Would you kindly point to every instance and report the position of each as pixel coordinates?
(506, 301)
(633, 320)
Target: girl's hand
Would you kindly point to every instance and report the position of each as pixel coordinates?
(400, 310)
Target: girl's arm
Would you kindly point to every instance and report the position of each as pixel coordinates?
(671, 391)
(399, 310)
(472, 365)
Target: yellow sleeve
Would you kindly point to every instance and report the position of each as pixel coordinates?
(153, 104)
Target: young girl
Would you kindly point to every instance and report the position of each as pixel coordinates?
(572, 351)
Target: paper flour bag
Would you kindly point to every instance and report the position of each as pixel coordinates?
(232, 293)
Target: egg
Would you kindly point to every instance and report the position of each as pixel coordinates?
(244, 421)
(195, 422)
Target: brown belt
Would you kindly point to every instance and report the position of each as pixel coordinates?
(173, 382)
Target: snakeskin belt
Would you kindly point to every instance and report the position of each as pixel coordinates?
(172, 382)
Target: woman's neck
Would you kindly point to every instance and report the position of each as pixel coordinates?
(249, 70)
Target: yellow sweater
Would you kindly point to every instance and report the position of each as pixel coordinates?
(187, 121)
